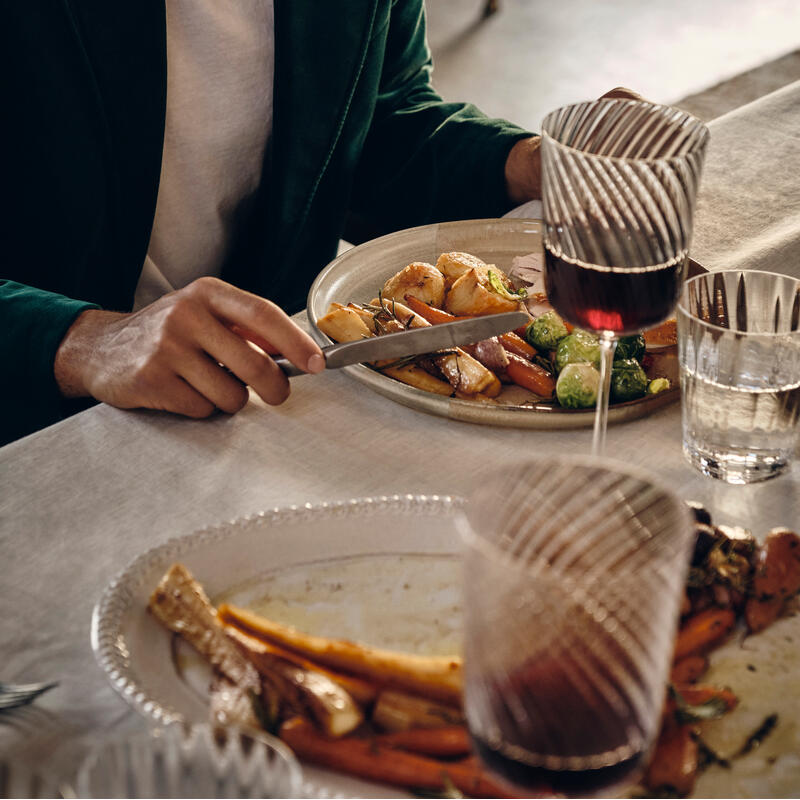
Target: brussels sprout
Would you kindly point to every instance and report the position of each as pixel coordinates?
(577, 348)
(577, 386)
(630, 347)
(500, 288)
(658, 385)
(545, 332)
(628, 380)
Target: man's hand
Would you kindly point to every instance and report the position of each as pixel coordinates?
(523, 171)
(168, 355)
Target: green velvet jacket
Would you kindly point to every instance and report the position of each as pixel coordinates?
(357, 129)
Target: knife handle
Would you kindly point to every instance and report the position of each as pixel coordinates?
(289, 369)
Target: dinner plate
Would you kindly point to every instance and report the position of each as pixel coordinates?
(358, 274)
(339, 569)
(385, 571)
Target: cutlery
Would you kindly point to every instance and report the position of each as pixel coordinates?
(20, 694)
(414, 341)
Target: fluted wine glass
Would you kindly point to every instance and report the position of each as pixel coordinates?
(619, 184)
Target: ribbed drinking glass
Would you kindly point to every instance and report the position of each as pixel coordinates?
(739, 351)
(619, 184)
(574, 571)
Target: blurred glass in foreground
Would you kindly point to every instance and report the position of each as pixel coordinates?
(190, 761)
(574, 569)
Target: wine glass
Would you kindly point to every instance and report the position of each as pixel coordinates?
(573, 573)
(619, 184)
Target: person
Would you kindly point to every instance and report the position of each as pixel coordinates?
(178, 173)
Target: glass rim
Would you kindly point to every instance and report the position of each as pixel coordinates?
(472, 538)
(682, 310)
(546, 136)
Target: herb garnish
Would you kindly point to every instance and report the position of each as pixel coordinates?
(498, 286)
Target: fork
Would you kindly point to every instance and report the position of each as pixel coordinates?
(20, 694)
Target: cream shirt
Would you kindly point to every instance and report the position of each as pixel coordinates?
(220, 68)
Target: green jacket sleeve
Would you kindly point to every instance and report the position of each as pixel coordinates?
(426, 160)
(33, 324)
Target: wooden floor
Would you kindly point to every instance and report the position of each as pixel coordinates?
(532, 55)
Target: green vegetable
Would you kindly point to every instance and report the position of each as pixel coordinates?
(630, 347)
(711, 709)
(628, 380)
(502, 290)
(686, 713)
(658, 385)
(577, 386)
(545, 332)
(577, 348)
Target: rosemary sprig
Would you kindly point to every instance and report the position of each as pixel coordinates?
(707, 756)
(755, 739)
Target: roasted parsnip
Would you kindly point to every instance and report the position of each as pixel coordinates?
(438, 677)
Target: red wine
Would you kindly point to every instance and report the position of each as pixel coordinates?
(572, 709)
(532, 781)
(617, 299)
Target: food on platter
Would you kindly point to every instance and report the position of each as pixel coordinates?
(396, 717)
(533, 357)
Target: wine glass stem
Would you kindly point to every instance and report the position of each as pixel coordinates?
(608, 344)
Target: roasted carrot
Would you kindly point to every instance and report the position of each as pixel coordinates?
(674, 760)
(776, 578)
(703, 630)
(517, 345)
(438, 677)
(530, 376)
(368, 759)
(760, 614)
(428, 312)
(512, 341)
(449, 742)
(688, 669)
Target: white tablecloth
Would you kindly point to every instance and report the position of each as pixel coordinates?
(79, 500)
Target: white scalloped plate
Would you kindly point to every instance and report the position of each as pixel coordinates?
(371, 560)
(383, 570)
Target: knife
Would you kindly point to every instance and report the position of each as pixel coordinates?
(414, 341)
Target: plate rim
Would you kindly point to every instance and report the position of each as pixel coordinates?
(107, 641)
(539, 416)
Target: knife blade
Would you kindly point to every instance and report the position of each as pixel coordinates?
(414, 341)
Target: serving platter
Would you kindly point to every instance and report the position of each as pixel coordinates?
(358, 274)
(386, 571)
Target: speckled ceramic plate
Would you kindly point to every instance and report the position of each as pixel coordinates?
(358, 274)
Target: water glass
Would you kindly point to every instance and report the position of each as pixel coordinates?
(739, 351)
(574, 570)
